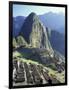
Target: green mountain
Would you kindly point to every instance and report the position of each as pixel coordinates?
(14, 43)
(35, 33)
(21, 42)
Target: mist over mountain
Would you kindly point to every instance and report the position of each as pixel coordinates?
(55, 21)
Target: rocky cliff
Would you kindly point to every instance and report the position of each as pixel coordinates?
(35, 33)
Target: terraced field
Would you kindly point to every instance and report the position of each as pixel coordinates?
(30, 72)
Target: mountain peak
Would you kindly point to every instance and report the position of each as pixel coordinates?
(28, 25)
(32, 14)
(35, 33)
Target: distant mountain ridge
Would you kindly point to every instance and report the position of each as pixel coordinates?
(25, 26)
(49, 19)
(55, 21)
(17, 24)
(57, 41)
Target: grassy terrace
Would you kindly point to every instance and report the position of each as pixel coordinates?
(20, 57)
(17, 54)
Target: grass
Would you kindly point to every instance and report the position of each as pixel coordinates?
(16, 54)
(59, 76)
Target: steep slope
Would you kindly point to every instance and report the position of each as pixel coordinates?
(28, 22)
(51, 20)
(14, 43)
(21, 42)
(58, 43)
(34, 32)
(17, 24)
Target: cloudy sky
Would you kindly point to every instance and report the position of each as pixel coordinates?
(25, 10)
